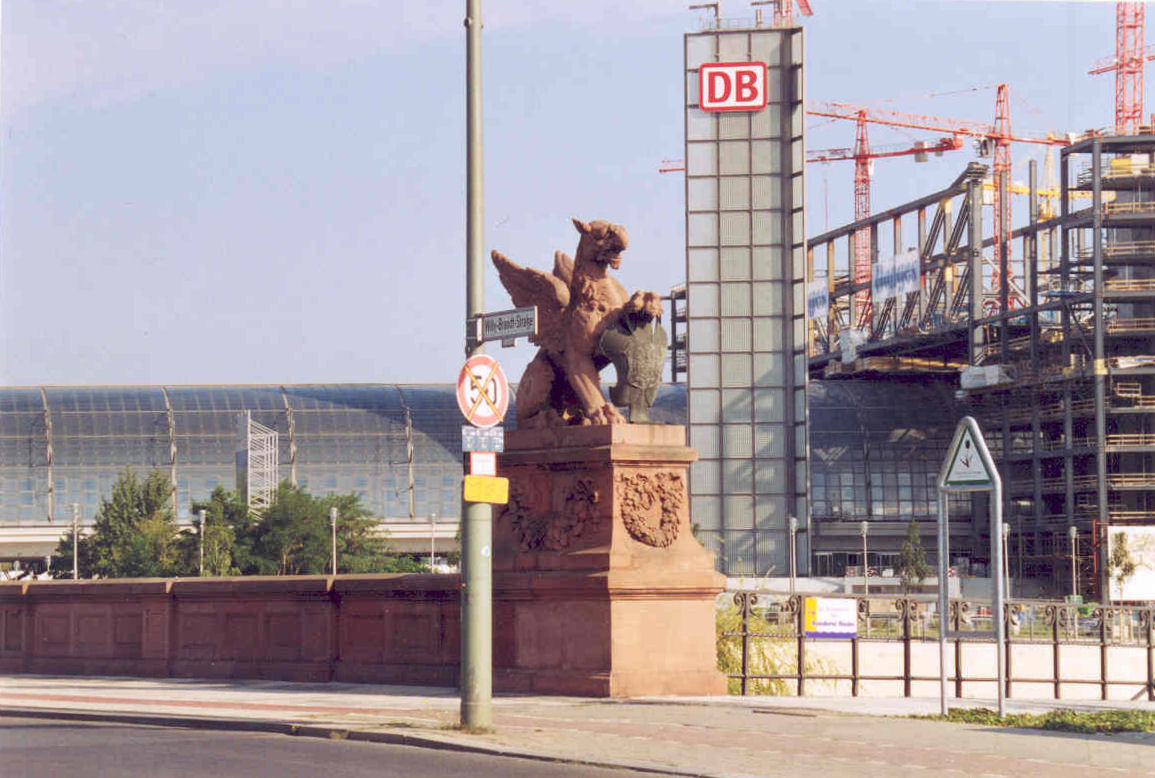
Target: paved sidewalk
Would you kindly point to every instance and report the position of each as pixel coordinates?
(717, 736)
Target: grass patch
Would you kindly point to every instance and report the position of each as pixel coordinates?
(1062, 720)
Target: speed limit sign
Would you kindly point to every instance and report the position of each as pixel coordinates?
(482, 391)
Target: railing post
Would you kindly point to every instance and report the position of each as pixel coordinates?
(744, 604)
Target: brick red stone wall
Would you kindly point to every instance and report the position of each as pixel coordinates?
(376, 628)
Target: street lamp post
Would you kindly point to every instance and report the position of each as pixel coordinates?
(1073, 534)
(333, 527)
(75, 541)
(201, 538)
(1007, 557)
(864, 527)
(793, 551)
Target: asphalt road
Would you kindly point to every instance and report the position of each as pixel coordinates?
(61, 749)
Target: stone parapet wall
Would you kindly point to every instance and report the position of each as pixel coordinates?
(402, 629)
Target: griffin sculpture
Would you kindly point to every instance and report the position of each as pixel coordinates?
(586, 319)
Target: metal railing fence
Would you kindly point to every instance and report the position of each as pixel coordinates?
(778, 620)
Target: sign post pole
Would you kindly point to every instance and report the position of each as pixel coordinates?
(943, 596)
(477, 519)
(970, 468)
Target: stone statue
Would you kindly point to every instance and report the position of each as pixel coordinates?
(586, 319)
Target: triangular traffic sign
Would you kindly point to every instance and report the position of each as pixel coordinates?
(967, 464)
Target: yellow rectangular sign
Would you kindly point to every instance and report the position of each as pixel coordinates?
(486, 488)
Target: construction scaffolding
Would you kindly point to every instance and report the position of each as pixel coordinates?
(1063, 381)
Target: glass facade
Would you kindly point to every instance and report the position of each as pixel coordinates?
(876, 448)
(745, 332)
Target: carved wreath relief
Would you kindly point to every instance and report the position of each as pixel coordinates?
(650, 506)
(554, 531)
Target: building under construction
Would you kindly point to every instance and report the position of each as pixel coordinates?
(1045, 333)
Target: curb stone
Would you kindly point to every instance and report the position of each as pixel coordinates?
(332, 732)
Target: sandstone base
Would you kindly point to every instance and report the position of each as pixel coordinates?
(600, 589)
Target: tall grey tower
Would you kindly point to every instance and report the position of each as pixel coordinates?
(746, 315)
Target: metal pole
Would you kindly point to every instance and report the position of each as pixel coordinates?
(432, 527)
(999, 594)
(793, 551)
(333, 528)
(1073, 534)
(863, 527)
(201, 544)
(1007, 559)
(75, 541)
(477, 521)
(943, 597)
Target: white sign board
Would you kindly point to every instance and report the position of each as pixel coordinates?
(830, 617)
(505, 325)
(1135, 545)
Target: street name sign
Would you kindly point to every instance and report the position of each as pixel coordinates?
(482, 391)
(506, 326)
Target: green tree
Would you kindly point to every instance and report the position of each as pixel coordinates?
(294, 537)
(134, 534)
(912, 565)
(228, 529)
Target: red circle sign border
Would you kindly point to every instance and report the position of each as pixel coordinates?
(481, 412)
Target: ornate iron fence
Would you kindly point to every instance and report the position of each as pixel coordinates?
(1034, 629)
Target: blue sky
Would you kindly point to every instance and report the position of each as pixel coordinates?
(212, 191)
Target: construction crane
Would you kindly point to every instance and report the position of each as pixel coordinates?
(1128, 62)
(994, 140)
(863, 157)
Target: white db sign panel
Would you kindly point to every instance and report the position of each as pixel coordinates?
(732, 86)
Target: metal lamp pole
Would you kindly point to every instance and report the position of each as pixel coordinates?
(477, 518)
(1007, 557)
(333, 527)
(793, 551)
(864, 527)
(1073, 534)
(75, 541)
(201, 535)
(432, 541)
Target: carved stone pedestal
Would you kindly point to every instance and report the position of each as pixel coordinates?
(600, 589)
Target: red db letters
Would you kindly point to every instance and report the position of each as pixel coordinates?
(732, 86)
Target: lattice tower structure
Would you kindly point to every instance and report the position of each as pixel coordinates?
(261, 446)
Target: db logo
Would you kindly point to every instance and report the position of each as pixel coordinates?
(732, 86)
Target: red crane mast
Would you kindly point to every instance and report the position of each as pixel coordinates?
(1127, 63)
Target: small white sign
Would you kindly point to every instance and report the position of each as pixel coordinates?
(482, 463)
(968, 465)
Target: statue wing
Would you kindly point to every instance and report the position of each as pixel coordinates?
(563, 266)
(549, 293)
